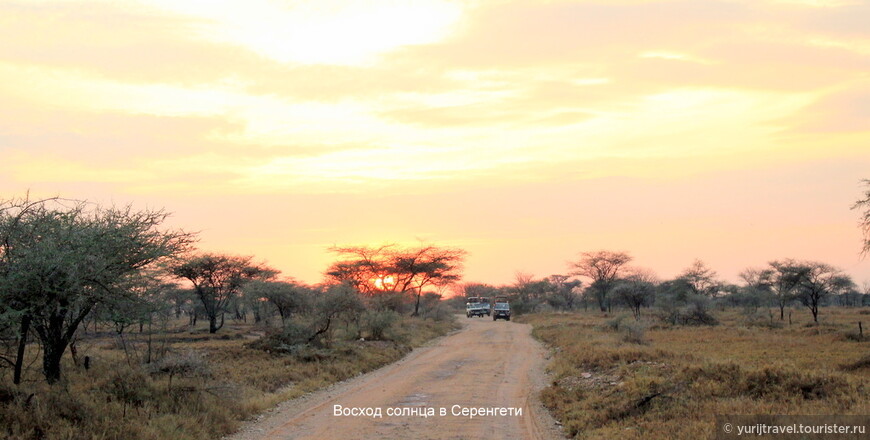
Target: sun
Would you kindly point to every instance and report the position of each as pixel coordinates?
(385, 282)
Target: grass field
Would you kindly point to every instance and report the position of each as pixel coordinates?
(202, 388)
(617, 378)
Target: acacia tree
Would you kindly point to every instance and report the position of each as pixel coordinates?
(815, 281)
(635, 293)
(288, 298)
(61, 259)
(864, 205)
(756, 278)
(784, 276)
(338, 300)
(636, 289)
(756, 290)
(362, 266)
(564, 293)
(427, 266)
(604, 268)
(700, 279)
(390, 268)
(217, 280)
(17, 230)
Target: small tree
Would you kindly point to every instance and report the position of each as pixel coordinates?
(287, 298)
(565, 293)
(815, 281)
(701, 279)
(217, 280)
(179, 298)
(604, 268)
(635, 293)
(783, 279)
(678, 304)
(339, 301)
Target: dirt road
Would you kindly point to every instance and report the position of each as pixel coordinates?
(486, 364)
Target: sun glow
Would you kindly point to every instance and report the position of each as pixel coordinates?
(385, 282)
(322, 32)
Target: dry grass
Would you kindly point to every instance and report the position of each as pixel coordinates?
(671, 387)
(217, 381)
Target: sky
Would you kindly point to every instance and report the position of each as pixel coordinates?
(525, 132)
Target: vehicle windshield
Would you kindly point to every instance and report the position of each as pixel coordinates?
(502, 306)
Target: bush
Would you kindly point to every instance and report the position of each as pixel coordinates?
(761, 318)
(189, 363)
(289, 340)
(399, 302)
(634, 333)
(379, 323)
(128, 386)
(694, 310)
(440, 312)
(522, 306)
(614, 324)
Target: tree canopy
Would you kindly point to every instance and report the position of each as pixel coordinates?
(59, 259)
(392, 268)
(603, 268)
(217, 279)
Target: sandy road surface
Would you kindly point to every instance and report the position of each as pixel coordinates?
(485, 364)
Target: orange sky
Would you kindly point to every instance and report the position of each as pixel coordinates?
(523, 131)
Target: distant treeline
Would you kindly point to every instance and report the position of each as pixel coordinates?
(604, 280)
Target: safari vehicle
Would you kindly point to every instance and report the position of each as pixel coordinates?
(501, 310)
(477, 306)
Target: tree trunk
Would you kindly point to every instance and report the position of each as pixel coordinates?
(52, 355)
(601, 296)
(417, 304)
(150, 332)
(321, 331)
(212, 324)
(22, 345)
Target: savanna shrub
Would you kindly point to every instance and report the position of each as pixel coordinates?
(634, 332)
(379, 323)
(615, 323)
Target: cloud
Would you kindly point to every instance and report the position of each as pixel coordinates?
(148, 83)
(848, 20)
(522, 34)
(118, 41)
(842, 111)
